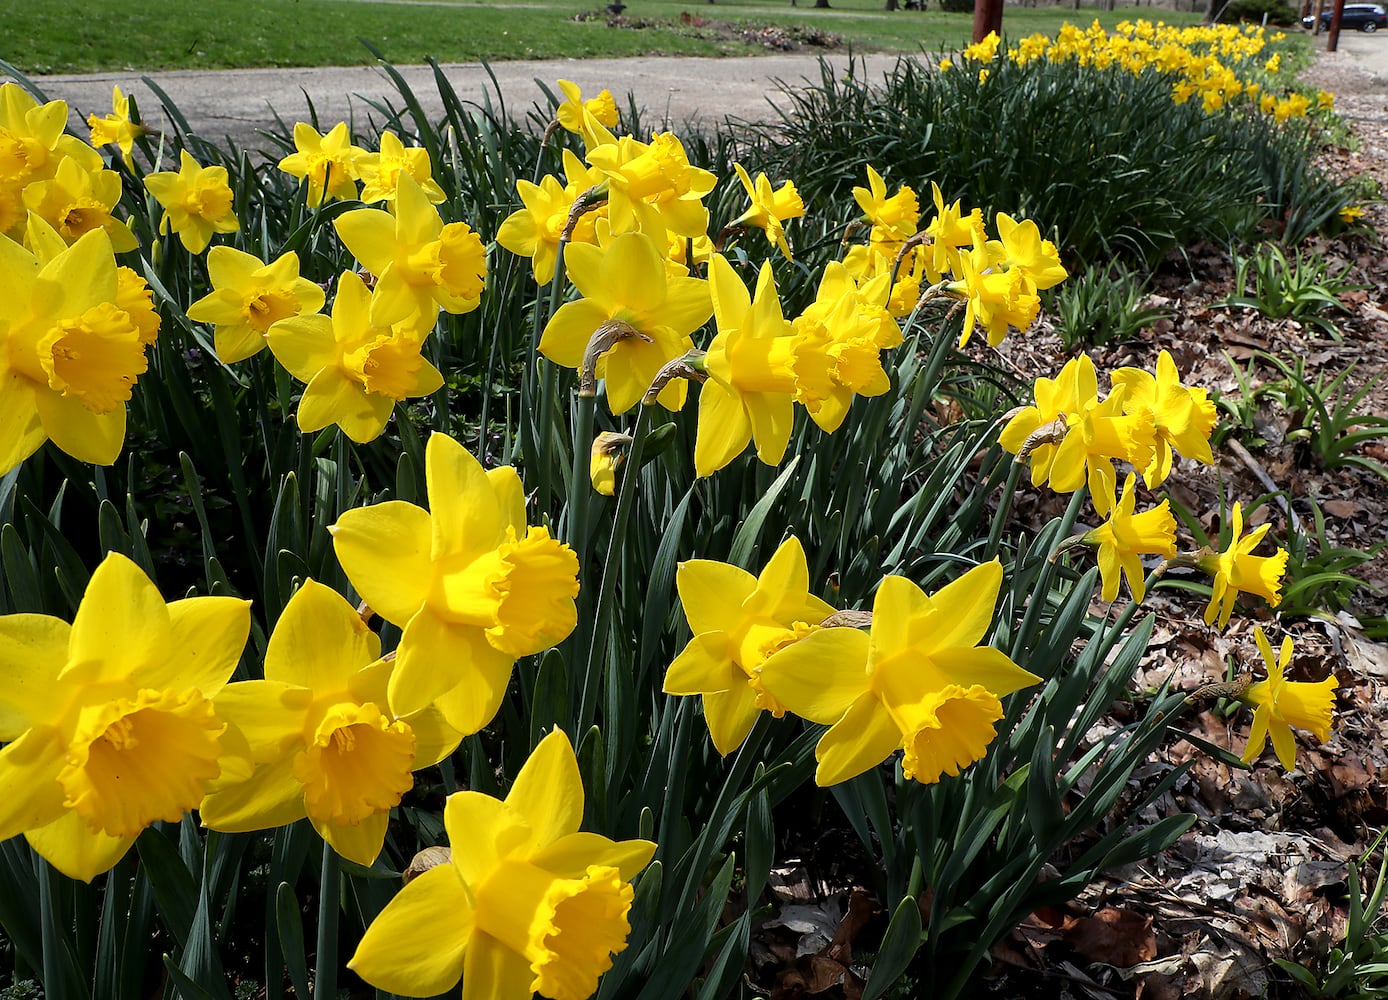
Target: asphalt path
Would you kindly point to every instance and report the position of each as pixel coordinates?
(672, 90)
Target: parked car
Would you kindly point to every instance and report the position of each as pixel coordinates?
(1364, 16)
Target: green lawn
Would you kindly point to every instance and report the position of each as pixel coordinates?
(74, 36)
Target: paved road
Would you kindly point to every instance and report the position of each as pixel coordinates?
(237, 102)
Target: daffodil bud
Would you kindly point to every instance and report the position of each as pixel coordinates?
(606, 457)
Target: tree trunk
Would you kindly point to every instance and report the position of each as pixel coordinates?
(987, 18)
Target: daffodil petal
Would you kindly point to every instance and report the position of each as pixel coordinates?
(451, 666)
(270, 798)
(712, 592)
(705, 664)
(548, 791)
(270, 716)
(86, 436)
(319, 642)
(962, 611)
(570, 856)
(1284, 743)
(862, 739)
(730, 716)
(33, 651)
(208, 635)
(495, 972)
(21, 431)
(394, 956)
(988, 667)
(821, 676)
(359, 842)
(465, 513)
(29, 782)
(122, 624)
(384, 550)
(724, 429)
(79, 853)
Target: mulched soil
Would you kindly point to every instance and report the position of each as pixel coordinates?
(1262, 875)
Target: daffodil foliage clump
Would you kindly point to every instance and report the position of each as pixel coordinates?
(1132, 143)
(502, 563)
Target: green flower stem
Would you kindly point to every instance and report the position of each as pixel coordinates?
(325, 970)
(1004, 508)
(939, 352)
(549, 376)
(52, 934)
(576, 529)
(602, 615)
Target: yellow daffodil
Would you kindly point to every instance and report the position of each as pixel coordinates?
(653, 186)
(950, 231)
(1092, 433)
(604, 459)
(78, 199)
(327, 162)
(69, 354)
(985, 50)
(109, 721)
(1026, 253)
(1237, 569)
(316, 733)
(899, 214)
(1126, 536)
(1280, 705)
(591, 119)
(472, 586)
(836, 354)
(739, 620)
(248, 297)
(116, 129)
(770, 208)
(750, 392)
(380, 172)
(1350, 214)
(526, 903)
(32, 143)
(421, 265)
(134, 297)
(196, 202)
(534, 230)
(918, 681)
(996, 298)
(355, 370)
(627, 282)
(1183, 418)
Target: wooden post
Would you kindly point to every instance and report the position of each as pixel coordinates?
(1334, 43)
(987, 17)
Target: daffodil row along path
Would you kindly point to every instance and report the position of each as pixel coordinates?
(457, 559)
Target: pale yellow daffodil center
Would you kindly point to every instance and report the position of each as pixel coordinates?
(207, 198)
(566, 928)
(133, 761)
(265, 306)
(357, 764)
(521, 593)
(95, 357)
(947, 730)
(386, 364)
(20, 156)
